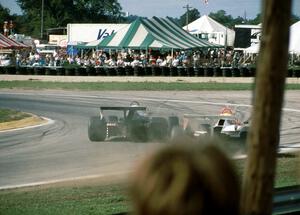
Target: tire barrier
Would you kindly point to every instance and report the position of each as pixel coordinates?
(101, 71)
(173, 71)
(20, 70)
(39, 70)
(10, 70)
(296, 73)
(252, 71)
(156, 71)
(290, 72)
(111, 71)
(79, 71)
(90, 71)
(148, 71)
(30, 70)
(199, 71)
(60, 71)
(226, 72)
(120, 71)
(190, 71)
(128, 71)
(235, 72)
(217, 72)
(139, 71)
(208, 72)
(50, 71)
(165, 71)
(70, 71)
(181, 71)
(244, 72)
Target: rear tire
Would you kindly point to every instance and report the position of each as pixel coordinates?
(173, 122)
(158, 129)
(96, 129)
(243, 135)
(177, 135)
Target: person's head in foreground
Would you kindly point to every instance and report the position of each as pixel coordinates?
(185, 180)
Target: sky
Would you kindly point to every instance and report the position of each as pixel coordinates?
(174, 8)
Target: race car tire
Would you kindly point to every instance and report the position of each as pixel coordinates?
(158, 128)
(243, 135)
(173, 121)
(96, 129)
(177, 134)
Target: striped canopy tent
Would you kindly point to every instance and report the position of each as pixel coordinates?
(4, 45)
(10, 43)
(156, 33)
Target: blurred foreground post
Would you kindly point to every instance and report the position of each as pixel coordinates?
(263, 140)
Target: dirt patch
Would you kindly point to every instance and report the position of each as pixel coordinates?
(28, 121)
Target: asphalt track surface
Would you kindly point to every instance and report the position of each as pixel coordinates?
(62, 151)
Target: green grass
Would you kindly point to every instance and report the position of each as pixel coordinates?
(153, 86)
(37, 85)
(287, 171)
(69, 200)
(105, 199)
(7, 115)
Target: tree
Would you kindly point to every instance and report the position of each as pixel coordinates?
(4, 14)
(221, 17)
(256, 20)
(193, 14)
(58, 13)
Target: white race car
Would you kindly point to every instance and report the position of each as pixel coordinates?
(226, 124)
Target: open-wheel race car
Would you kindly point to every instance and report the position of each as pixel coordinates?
(131, 123)
(226, 125)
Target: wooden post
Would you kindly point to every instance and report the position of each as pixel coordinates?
(263, 139)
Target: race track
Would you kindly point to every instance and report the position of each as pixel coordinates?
(61, 150)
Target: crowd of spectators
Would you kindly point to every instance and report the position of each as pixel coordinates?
(210, 57)
(213, 57)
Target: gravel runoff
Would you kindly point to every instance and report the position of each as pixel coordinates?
(134, 79)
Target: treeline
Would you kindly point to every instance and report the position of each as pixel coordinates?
(58, 13)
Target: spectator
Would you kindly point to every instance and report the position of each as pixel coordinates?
(185, 180)
(169, 60)
(159, 61)
(152, 60)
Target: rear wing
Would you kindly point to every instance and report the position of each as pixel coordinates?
(123, 109)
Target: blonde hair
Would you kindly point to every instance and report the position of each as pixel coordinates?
(185, 180)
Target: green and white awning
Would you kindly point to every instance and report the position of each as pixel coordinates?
(160, 33)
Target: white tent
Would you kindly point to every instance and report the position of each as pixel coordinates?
(206, 27)
(294, 46)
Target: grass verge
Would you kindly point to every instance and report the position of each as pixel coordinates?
(103, 199)
(287, 172)
(7, 115)
(153, 86)
(106, 199)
